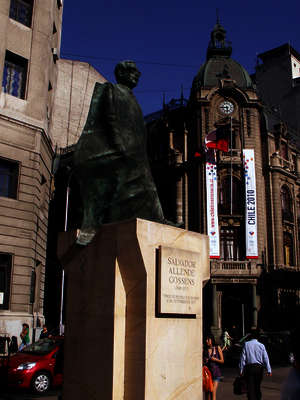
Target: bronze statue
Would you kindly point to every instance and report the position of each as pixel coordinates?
(111, 160)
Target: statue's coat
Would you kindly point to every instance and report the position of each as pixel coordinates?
(111, 160)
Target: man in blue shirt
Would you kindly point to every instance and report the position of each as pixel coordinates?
(254, 359)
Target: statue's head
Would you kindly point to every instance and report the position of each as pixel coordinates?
(127, 73)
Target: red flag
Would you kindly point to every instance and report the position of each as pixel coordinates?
(218, 139)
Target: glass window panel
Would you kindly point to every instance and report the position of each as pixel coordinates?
(225, 195)
(230, 244)
(5, 277)
(286, 204)
(9, 174)
(21, 11)
(14, 75)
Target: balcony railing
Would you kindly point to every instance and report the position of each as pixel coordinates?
(287, 165)
(232, 156)
(234, 268)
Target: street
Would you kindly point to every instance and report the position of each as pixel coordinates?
(270, 387)
(25, 395)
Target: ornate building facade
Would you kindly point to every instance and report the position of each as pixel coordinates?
(246, 198)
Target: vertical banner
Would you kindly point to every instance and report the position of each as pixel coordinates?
(251, 208)
(212, 205)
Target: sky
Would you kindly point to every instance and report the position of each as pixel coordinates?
(168, 39)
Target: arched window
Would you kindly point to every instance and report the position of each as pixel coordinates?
(288, 249)
(231, 199)
(286, 204)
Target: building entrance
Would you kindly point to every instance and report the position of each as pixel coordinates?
(237, 309)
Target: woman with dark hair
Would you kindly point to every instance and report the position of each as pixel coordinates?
(213, 357)
(24, 335)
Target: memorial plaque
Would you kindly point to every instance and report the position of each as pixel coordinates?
(180, 282)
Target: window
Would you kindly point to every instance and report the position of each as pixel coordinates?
(288, 249)
(230, 244)
(21, 11)
(14, 75)
(9, 176)
(32, 287)
(286, 204)
(5, 273)
(225, 202)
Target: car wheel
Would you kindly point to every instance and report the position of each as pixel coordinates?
(41, 382)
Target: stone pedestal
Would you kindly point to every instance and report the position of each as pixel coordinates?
(120, 342)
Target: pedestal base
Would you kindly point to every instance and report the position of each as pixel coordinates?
(118, 346)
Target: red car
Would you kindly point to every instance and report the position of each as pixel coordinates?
(38, 366)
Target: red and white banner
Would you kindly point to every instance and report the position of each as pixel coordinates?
(251, 208)
(212, 208)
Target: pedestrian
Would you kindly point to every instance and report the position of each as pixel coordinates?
(13, 345)
(291, 387)
(253, 360)
(44, 333)
(213, 358)
(226, 340)
(24, 335)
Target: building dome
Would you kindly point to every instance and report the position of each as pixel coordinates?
(219, 64)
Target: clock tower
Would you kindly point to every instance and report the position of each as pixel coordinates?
(224, 106)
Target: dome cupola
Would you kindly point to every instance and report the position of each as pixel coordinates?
(219, 64)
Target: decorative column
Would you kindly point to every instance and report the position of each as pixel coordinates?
(216, 329)
(214, 306)
(277, 213)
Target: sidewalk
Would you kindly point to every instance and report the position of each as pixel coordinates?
(53, 395)
(270, 386)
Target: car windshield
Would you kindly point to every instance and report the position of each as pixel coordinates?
(41, 347)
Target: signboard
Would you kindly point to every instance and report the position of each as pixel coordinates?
(212, 210)
(250, 196)
(180, 284)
